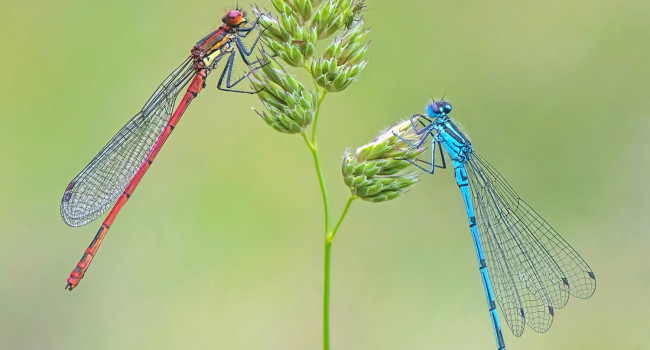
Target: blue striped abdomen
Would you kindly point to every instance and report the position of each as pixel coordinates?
(462, 181)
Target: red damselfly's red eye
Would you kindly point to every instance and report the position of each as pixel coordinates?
(234, 18)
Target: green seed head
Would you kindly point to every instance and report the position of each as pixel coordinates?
(329, 17)
(289, 36)
(289, 105)
(342, 60)
(292, 36)
(373, 172)
(301, 23)
(354, 13)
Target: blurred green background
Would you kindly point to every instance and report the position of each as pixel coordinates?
(221, 246)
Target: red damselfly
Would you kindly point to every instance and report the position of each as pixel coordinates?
(112, 176)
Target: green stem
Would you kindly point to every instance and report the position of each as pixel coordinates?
(329, 238)
(331, 235)
(326, 295)
(308, 69)
(313, 127)
(313, 147)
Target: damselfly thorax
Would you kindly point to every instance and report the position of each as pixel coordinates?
(456, 143)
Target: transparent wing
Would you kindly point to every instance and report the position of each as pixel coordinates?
(102, 181)
(532, 269)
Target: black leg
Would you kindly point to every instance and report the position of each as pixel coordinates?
(247, 30)
(442, 156)
(229, 83)
(432, 165)
(416, 116)
(427, 131)
(242, 48)
(414, 163)
(242, 33)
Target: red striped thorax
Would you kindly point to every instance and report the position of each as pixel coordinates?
(215, 40)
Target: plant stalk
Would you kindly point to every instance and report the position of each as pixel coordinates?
(312, 144)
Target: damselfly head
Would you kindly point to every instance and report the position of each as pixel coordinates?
(234, 18)
(438, 109)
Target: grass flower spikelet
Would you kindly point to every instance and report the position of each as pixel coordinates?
(290, 107)
(373, 172)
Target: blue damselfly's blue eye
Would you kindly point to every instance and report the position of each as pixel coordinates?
(439, 108)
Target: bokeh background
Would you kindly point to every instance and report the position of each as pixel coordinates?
(221, 246)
